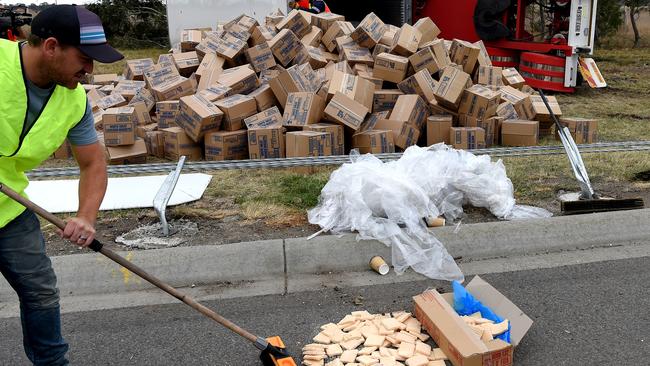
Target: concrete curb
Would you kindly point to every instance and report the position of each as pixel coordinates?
(279, 260)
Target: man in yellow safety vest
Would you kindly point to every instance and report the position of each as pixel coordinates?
(42, 104)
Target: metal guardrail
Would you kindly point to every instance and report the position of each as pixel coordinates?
(207, 166)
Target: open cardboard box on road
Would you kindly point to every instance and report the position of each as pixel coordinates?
(461, 345)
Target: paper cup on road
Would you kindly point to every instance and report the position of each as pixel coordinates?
(378, 264)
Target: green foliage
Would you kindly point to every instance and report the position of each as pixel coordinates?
(300, 191)
(133, 23)
(609, 18)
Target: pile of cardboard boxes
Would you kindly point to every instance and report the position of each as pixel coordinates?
(314, 85)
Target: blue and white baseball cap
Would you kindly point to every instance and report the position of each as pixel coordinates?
(76, 26)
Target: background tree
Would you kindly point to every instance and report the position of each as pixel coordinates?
(133, 23)
(636, 6)
(609, 18)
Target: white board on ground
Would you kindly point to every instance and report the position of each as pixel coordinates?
(127, 192)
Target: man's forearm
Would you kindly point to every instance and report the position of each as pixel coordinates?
(92, 187)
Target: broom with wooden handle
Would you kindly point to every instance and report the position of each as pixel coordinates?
(273, 349)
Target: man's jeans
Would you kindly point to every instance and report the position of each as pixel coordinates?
(29, 271)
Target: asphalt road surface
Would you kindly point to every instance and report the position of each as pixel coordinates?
(591, 314)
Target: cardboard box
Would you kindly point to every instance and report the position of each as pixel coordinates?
(312, 38)
(198, 116)
(119, 126)
(368, 33)
(512, 78)
(428, 29)
(337, 140)
(135, 153)
(174, 89)
(142, 130)
(465, 54)
(390, 67)
(295, 22)
(336, 30)
(312, 55)
(308, 143)
(260, 57)
(238, 31)
(226, 145)
(460, 344)
(209, 44)
(262, 34)
(186, 63)
(507, 111)
(178, 143)
(167, 112)
(273, 19)
(483, 56)
(264, 97)
(467, 138)
(404, 134)
(266, 138)
(144, 96)
(438, 128)
(354, 87)
(111, 101)
(479, 102)
(488, 125)
(521, 101)
(248, 23)
(216, 92)
(451, 86)
(267, 75)
(325, 20)
(285, 46)
(372, 119)
(539, 110)
(421, 83)
(368, 75)
(288, 81)
(128, 88)
(385, 99)
(107, 89)
(155, 143)
(424, 59)
(141, 115)
(519, 133)
(406, 40)
(490, 76)
(374, 142)
(388, 36)
(355, 54)
(134, 69)
(104, 79)
(190, 38)
(410, 108)
(439, 50)
(241, 79)
(303, 108)
(236, 108)
(230, 47)
(158, 74)
(583, 130)
(209, 70)
(345, 110)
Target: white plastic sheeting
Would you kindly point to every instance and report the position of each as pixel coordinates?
(388, 201)
(186, 14)
(121, 193)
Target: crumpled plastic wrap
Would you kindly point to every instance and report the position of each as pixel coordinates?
(388, 201)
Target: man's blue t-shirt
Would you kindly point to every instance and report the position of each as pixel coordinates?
(83, 133)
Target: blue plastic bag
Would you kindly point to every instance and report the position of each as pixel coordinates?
(466, 304)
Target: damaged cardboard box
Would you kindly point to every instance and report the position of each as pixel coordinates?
(459, 342)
